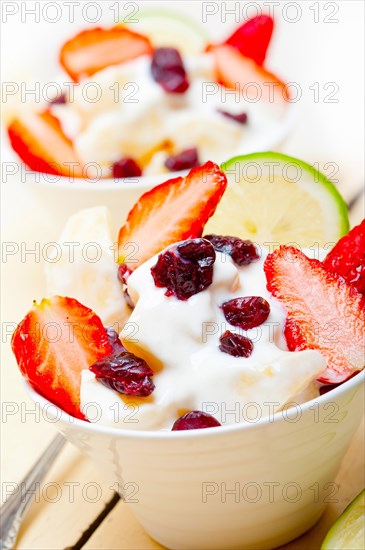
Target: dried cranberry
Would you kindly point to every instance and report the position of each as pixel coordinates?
(128, 299)
(198, 250)
(126, 168)
(241, 118)
(114, 341)
(168, 70)
(123, 274)
(59, 100)
(184, 160)
(185, 269)
(195, 420)
(329, 387)
(241, 252)
(125, 373)
(248, 312)
(325, 389)
(235, 344)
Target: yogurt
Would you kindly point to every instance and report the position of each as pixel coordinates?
(180, 341)
(122, 112)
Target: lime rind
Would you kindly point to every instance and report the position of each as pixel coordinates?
(156, 22)
(348, 532)
(174, 16)
(317, 176)
(281, 198)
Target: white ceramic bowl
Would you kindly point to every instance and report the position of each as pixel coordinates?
(252, 486)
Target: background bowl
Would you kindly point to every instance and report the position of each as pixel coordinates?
(59, 198)
(252, 486)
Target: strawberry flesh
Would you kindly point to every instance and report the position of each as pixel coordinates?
(173, 211)
(347, 258)
(252, 39)
(39, 141)
(54, 342)
(324, 313)
(241, 73)
(95, 49)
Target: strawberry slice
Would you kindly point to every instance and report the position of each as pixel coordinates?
(324, 312)
(94, 49)
(252, 38)
(235, 70)
(39, 141)
(172, 211)
(54, 342)
(347, 258)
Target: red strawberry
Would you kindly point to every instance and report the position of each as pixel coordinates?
(235, 70)
(172, 211)
(324, 312)
(94, 49)
(347, 258)
(54, 342)
(253, 38)
(39, 141)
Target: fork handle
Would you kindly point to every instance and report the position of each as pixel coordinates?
(17, 504)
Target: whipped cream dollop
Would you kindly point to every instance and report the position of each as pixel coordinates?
(122, 112)
(180, 341)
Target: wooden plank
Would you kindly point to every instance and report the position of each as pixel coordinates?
(121, 531)
(73, 494)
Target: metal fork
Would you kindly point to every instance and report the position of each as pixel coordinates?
(17, 504)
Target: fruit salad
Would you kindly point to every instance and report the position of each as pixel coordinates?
(136, 107)
(204, 325)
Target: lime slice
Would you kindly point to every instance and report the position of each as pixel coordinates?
(348, 532)
(273, 198)
(168, 28)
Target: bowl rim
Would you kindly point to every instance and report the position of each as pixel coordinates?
(226, 429)
(41, 179)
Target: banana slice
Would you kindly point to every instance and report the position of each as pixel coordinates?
(196, 127)
(84, 266)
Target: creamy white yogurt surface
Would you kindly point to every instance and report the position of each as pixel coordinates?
(196, 375)
(122, 112)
